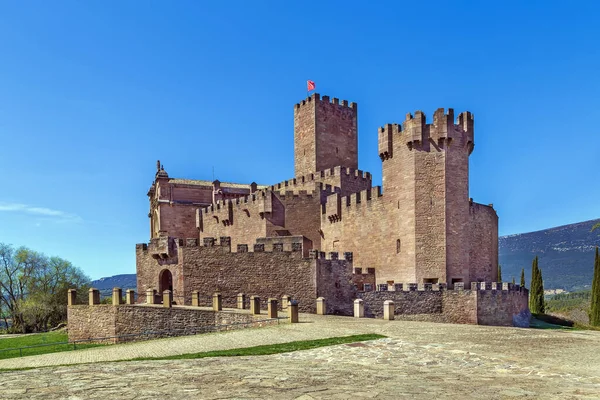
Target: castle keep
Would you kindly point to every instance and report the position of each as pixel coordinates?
(327, 232)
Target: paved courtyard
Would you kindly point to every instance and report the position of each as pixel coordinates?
(416, 360)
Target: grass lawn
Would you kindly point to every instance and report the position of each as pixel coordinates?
(545, 321)
(270, 348)
(44, 341)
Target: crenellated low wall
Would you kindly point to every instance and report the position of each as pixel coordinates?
(272, 267)
(115, 322)
(486, 303)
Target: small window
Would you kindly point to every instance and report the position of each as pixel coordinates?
(368, 287)
(430, 280)
(382, 287)
(358, 271)
(398, 246)
(371, 271)
(336, 150)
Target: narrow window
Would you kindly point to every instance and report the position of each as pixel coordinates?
(398, 246)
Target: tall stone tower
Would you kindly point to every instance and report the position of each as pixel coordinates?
(426, 176)
(325, 134)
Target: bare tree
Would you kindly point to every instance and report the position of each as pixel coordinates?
(33, 287)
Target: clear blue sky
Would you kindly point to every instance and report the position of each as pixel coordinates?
(93, 93)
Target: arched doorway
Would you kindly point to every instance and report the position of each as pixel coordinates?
(165, 281)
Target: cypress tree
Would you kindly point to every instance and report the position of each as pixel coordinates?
(513, 280)
(522, 277)
(499, 273)
(540, 293)
(532, 284)
(595, 306)
(536, 292)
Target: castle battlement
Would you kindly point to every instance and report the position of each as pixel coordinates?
(478, 207)
(258, 196)
(168, 247)
(416, 133)
(335, 203)
(338, 171)
(316, 97)
(262, 198)
(458, 287)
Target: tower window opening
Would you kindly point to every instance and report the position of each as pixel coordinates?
(398, 246)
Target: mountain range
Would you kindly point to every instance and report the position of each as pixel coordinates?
(123, 281)
(565, 256)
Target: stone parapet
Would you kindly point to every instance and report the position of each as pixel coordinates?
(125, 322)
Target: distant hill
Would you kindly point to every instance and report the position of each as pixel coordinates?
(106, 285)
(572, 306)
(566, 255)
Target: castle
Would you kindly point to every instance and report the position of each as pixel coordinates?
(327, 232)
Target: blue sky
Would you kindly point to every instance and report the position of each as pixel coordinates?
(93, 93)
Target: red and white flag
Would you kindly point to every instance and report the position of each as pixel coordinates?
(310, 85)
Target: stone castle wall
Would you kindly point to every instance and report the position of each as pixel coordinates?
(213, 267)
(288, 208)
(90, 322)
(154, 259)
(504, 308)
(367, 224)
(264, 214)
(344, 180)
(102, 321)
(484, 304)
(243, 220)
(483, 243)
(458, 307)
(178, 219)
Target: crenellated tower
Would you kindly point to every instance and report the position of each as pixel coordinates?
(325, 135)
(426, 178)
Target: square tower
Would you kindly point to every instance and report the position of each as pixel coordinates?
(325, 135)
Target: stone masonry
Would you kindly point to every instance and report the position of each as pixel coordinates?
(419, 227)
(284, 269)
(123, 323)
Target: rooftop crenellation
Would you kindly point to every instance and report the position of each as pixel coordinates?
(316, 97)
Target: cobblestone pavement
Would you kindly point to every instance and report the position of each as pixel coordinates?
(417, 360)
